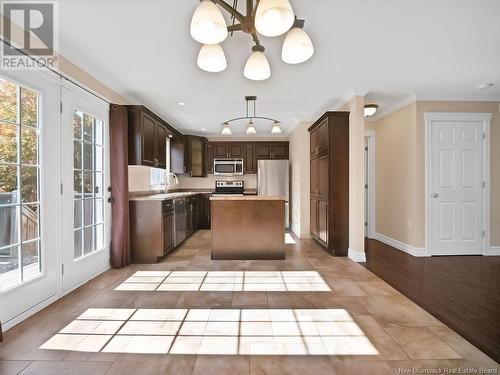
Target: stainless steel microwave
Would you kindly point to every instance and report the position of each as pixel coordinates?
(228, 167)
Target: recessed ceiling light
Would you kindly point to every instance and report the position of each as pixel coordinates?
(203, 129)
(181, 103)
(485, 85)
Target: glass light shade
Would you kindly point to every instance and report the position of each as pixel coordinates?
(276, 128)
(211, 58)
(297, 47)
(251, 128)
(257, 67)
(370, 109)
(208, 25)
(226, 130)
(274, 17)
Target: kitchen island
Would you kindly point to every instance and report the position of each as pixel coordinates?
(248, 227)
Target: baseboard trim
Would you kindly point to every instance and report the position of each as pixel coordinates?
(413, 251)
(492, 251)
(356, 256)
(8, 324)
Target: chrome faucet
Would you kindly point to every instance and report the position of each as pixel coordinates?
(167, 180)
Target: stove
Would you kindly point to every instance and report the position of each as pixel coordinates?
(229, 187)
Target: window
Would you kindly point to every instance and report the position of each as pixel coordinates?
(19, 184)
(157, 177)
(88, 178)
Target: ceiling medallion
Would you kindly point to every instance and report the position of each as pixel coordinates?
(265, 17)
(276, 128)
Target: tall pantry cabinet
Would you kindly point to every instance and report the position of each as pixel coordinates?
(329, 158)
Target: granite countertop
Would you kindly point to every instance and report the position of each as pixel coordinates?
(247, 198)
(167, 196)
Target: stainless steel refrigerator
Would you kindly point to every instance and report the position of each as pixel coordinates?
(273, 179)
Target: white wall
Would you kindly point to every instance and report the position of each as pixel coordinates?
(299, 180)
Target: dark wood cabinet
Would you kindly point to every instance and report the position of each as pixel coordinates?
(209, 157)
(204, 210)
(147, 137)
(194, 158)
(330, 182)
(273, 150)
(314, 218)
(250, 152)
(221, 150)
(152, 230)
(236, 150)
(168, 232)
(177, 155)
(250, 159)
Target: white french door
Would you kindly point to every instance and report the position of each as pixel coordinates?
(86, 214)
(29, 200)
(456, 189)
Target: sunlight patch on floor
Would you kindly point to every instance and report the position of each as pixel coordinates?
(226, 281)
(214, 331)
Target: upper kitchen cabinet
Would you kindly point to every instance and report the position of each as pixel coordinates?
(223, 150)
(209, 157)
(194, 159)
(272, 150)
(147, 137)
(250, 159)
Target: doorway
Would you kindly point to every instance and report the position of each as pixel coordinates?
(457, 187)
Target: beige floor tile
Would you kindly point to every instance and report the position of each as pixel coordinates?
(292, 365)
(66, 368)
(358, 368)
(12, 367)
(250, 299)
(422, 343)
(221, 365)
(464, 348)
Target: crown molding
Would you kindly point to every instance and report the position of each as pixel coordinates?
(393, 108)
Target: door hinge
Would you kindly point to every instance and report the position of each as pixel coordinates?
(483, 233)
(62, 188)
(366, 148)
(61, 107)
(366, 223)
(62, 269)
(484, 184)
(366, 186)
(484, 135)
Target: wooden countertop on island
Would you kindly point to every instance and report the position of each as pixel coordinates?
(246, 198)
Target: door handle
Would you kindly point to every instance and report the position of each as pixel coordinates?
(435, 195)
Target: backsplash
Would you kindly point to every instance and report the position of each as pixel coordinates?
(185, 182)
(139, 180)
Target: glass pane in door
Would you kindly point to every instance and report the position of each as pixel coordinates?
(19, 185)
(88, 183)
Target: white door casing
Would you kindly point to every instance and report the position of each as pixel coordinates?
(25, 299)
(457, 188)
(76, 271)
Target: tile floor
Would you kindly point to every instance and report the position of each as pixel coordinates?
(403, 336)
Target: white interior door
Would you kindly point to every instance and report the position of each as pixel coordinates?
(85, 180)
(29, 161)
(456, 187)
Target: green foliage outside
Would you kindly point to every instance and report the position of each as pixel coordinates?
(10, 131)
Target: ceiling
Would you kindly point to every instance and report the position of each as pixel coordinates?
(392, 48)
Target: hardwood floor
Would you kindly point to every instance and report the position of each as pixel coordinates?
(461, 291)
(377, 329)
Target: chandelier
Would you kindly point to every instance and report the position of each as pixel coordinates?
(275, 129)
(265, 17)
